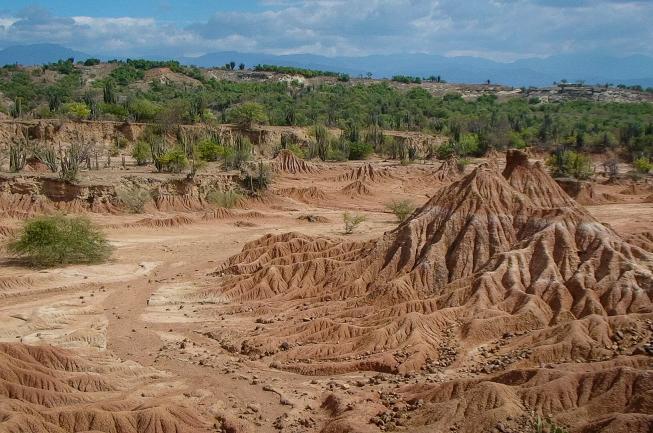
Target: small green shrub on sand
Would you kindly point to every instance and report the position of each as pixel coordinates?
(352, 221)
(226, 199)
(401, 208)
(59, 240)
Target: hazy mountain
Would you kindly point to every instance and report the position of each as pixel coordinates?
(527, 72)
(38, 54)
(592, 68)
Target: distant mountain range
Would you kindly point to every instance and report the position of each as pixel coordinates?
(38, 54)
(591, 68)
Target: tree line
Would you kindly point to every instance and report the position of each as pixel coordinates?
(473, 126)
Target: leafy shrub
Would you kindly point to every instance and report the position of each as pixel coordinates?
(308, 73)
(401, 208)
(134, 198)
(91, 62)
(174, 160)
(360, 150)
(77, 110)
(59, 240)
(570, 164)
(226, 199)
(407, 79)
(352, 221)
(117, 111)
(125, 74)
(65, 67)
(445, 151)
(468, 145)
(141, 152)
(643, 165)
(209, 150)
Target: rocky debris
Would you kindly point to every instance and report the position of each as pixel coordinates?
(314, 219)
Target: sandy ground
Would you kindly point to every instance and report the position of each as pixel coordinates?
(145, 305)
(138, 308)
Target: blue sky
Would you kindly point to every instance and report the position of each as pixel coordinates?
(502, 30)
(178, 11)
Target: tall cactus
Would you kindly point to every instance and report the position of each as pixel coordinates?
(17, 156)
(157, 149)
(48, 156)
(17, 110)
(321, 141)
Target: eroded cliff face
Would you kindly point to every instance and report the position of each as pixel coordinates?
(106, 135)
(27, 195)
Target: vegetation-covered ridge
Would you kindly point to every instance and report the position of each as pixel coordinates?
(132, 91)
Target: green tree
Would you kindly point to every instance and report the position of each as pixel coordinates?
(568, 163)
(91, 62)
(247, 114)
(143, 109)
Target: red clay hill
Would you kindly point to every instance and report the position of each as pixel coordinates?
(501, 285)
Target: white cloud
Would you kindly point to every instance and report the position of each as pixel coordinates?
(498, 29)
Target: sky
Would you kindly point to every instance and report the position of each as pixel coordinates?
(501, 30)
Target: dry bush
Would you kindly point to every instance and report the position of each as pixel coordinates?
(402, 209)
(133, 198)
(226, 199)
(352, 221)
